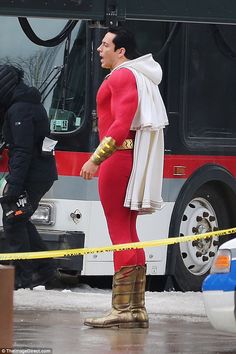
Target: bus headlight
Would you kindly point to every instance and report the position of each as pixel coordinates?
(44, 215)
(222, 261)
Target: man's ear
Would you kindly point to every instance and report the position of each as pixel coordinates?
(122, 51)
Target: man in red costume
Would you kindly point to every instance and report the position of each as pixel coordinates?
(117, 104)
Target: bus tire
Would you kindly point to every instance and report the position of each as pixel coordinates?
(203, 212)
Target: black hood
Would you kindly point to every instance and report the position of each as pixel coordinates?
(24, 93)
(9, 79)
(13, 89)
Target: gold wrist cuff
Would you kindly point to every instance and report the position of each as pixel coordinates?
(104, 150)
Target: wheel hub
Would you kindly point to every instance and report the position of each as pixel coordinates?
(199, 217)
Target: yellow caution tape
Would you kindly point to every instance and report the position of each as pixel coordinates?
(120, 247)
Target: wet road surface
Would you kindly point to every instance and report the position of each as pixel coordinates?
(64, 332)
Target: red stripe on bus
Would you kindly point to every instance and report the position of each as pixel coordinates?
(191, 163)
(70, 163)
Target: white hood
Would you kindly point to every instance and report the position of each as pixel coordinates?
(145, 65)
(151, 112)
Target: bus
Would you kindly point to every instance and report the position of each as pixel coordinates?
(196, 48)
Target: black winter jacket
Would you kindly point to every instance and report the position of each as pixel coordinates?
(25, 127)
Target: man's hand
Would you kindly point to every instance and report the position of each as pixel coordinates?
(88, 170)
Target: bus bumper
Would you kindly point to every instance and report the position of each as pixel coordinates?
(57, 240)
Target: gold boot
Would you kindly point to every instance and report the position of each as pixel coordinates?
(120, 314)
(138, 299)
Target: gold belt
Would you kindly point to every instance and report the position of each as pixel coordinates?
(127, 145)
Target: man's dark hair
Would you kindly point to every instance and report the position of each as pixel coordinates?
(125, 39)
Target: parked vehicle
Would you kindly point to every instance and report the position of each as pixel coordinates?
(219, 289)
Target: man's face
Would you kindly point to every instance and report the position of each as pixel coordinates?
(109, 56)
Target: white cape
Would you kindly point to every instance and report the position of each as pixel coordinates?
(145, 184)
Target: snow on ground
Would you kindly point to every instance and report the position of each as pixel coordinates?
(85, 299)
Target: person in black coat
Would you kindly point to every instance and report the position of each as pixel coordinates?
(25, 126)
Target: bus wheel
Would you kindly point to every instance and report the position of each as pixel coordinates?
(205, 212)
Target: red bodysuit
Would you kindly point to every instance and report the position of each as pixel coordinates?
(117, 102)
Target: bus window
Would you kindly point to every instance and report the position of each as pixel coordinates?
(67, 108)
(149, 35)
(39, 63)
(209, 106)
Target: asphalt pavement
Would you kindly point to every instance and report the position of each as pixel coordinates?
(60, 332)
